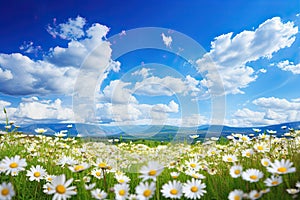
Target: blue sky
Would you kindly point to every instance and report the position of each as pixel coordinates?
(58, 62)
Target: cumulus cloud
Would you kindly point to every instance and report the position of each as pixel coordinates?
(272, 111)
(230, 55)
(289, 66)
(167, 40)
(144, 72)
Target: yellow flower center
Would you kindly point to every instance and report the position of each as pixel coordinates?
(236, 197)
(13, 165)
(147, 193)
(229, 159)
(78, 168)
(60, 189)
(5, 192)
(253, 177)
(98, 173)
(49, 179)
(266, 163)
(121, 181)
(122, 192)
(248, 154)
(275, 183)
(174, 176)
(174, 191)
(244, 138)
(193, 165)
(102, 165)
(213, 152)
(152, 172)
(195, 176)
(256, 195)
(36, 174)
(237, 171)
(260, 148)
(194, 189)
(282, 169)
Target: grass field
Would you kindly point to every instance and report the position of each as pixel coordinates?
(39, 167)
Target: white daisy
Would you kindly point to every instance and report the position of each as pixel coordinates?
(298, 184)
(254, 194)
(6, 191)
(145, 190)
(292, 191)
(13, 165)
(121, 178)
(236, 171)
(252, 175)
(247, 153)
(151, 171)
(262, 147)
(193, 189)
(121, 191)
(60, 188)
(265, 162)
(98, 194)
(172, 189)
(36, 173)
(236, 195)
(40, 130)
(96, 172)
(79, 167)
(174, 174)
(90, 186)
(273, 181)
(281, 167)
(192, 164)
(229, 158)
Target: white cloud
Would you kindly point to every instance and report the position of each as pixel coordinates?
(5, 75)
(167, 40)
(144, 72)
(230, 55)
(289, 66)
(171, 108)
(263, 71)
(71, 30)
(272, 111)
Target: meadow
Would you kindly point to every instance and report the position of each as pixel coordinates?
(243, 167)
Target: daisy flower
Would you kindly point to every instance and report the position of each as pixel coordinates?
(151, 171)
(79, 167)
(298, 184)
(40, 130)
(229, 158)
(252, 175)
(247, 153)
(90, 186)
(244, 138)
(292, 191)
(13, 165)
(121, 191)
(194, 174)
(96, 172)
(98, 194)
(36, 173)
(281, 167)
(193, 189)
(145, 190)
(49, 178)
(172, 189)
(236, 195)
(254, 194)
(174, 174)
(6, 191)
(193, 164)
(121, 178)
(60, 188)
(236, 171)
(261, 147)
(265, 162)
(273, 181)
(133, 197)
(66, 160)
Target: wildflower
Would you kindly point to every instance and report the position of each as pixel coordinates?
(121, 191)
(273, 181)
(194, 136)
(40, 130)
(49, 178)
(121, 178)
(256, 130)
(247, 153)
(90, 186)
(298, 184)
(292, 191)
(252, 175)
(236, 195)
(229, 158)
(261, 147)
(36, 173)
(60, 134)
(254, 194)
(66, 160)
(145, 190)
(98, 194)
(96, 172)
(281, 167)
(6, 191)
(193, 189)
(244, 138)
(174, 174)
(151, 171)
(193, 164)
(172, 189)
(79, 167)
(271, 132)
(265, 162)
(236, 171)
(60, 188)
(13, 165)
(194, 174)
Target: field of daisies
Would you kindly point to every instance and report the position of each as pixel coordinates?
(59, 167)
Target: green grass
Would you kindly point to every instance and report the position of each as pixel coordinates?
(48, 150)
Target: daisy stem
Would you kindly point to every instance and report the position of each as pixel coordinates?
(104, 179)
(157, 190)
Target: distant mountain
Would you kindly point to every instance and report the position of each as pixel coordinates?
(156, 132)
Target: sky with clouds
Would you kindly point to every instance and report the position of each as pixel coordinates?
(202, 62)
